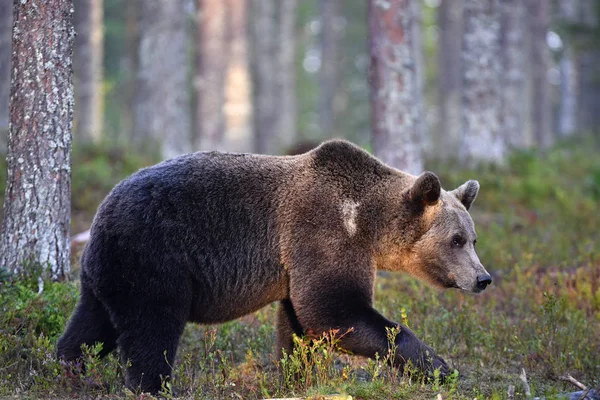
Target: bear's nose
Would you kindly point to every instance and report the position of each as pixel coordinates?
(483, 281)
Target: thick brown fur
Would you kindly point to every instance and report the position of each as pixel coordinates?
(210, 237)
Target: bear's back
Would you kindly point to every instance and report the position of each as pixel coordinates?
(205, 217)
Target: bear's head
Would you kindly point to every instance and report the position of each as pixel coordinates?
(432, 236)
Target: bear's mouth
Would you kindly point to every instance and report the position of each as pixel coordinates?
(442, 278)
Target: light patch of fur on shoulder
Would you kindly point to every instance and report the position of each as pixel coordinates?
(349, 213)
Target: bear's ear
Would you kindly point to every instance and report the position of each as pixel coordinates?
(466, 193)
(426, 190)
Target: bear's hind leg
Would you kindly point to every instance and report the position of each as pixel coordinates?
(148, 348)
(287, 326)
(89, 324)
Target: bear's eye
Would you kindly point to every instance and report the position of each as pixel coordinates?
(474, 242)
(458, 241)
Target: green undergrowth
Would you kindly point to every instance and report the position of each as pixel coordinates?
(537, 220)
(97, 168)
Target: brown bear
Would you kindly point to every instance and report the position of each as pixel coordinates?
(210, 237)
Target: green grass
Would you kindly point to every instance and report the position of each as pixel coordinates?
(538, 221)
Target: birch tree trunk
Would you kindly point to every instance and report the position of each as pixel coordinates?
(450, 79)
(329, 10)
(540, 63)
(88, 69)
(514, 92)
(214, 30)
(162, 112)
(483, 136)
(37, 200)
(5, 54)
(396, 104)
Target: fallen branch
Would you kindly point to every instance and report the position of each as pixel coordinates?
(523, 377)
(570, 379)
(80, 238)
(510, 395)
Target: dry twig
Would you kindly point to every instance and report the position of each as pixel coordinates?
(523, 377)
(570, 379)
(511, 392)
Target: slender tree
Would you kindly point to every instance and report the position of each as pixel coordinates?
(238, 105)
(540, 64)
(272, 55)
(130, 67)
(588, 59)
(162, 109)
(569, 74)
(514, 46)
(329, 12)
(285, 91)
(450, 17)
(214, 48)
(5, 54)
(88, 69)
(37, 199)
(396, 103)
(483, 136)
(262, 53)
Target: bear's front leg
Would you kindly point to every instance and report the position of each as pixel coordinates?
(344, 306)
(368, 336)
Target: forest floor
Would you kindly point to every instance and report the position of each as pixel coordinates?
(538, 221)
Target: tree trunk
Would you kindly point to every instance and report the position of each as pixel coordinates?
(450, 79)
(569, 88)
(396, 104)
(588, 118)
(540, 63)
(5, 53)
(88, 67)
(237, 82)
(37, 201)
(262, 64)
(130, 68)
(285, 91)
(162, 111)
(272, 67)
(329, 10)
(483, 136)
(214, 39)
(513, 48)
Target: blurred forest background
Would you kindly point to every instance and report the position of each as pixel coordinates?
(503, 91)
(450, 81)
(177, 76)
